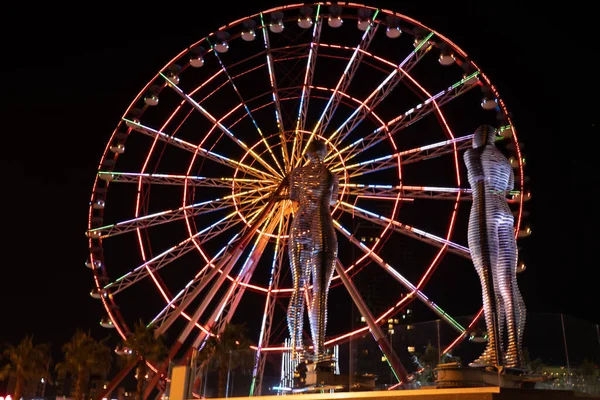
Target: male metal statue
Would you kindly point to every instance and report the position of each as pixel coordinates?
(493, 250)
(312, 245)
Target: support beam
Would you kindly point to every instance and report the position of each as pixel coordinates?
(390, 355)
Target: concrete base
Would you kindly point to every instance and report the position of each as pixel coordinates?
(455, 376)
(473, 393)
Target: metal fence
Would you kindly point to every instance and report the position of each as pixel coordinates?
(562, 349)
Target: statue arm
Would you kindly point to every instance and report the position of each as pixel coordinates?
(293, 186)
(474, 170)
(511, 180)
(335, 190)
(287, 193)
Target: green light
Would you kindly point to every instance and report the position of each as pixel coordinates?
(466, 78)
(424, 41)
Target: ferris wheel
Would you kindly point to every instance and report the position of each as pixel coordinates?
(183, 229)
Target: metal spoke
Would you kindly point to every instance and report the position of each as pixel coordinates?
(342, 85)
(223, 314)
(225, 266)
(267, 320)
(248, 113)
(414, 290)
(171, 254)
(406, 157)
(381, 92)
(163, 217)
(190, 180)
(389, 192)
(277, 103)
(221, 127)
(182, 144)
(306, 88)
(386, 348)
(407, 230)
(407, 118)
(191, 290)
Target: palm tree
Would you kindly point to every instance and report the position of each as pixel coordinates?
(145, 345)
(229, 351)
(26, 362)
(84, 356)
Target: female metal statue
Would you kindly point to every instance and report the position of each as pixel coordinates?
(493, 250)
(312, 246)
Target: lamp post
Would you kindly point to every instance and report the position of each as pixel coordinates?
(392, 322)
(237, 343)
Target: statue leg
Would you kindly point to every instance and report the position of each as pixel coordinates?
(511, 297)
(488, 357)
(295, 313)
(521, 313)
(497, 281)
(323, 267)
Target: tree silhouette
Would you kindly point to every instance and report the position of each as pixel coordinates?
(145, 345)
(26, 361)
(229, 351)
(84, 356)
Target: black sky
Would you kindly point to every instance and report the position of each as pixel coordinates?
(69, 73)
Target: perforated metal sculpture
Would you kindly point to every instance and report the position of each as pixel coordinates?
(312, 245)
(493, 249)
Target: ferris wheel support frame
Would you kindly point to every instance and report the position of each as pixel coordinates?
(387, 130)
(392, 358)
(233, 257)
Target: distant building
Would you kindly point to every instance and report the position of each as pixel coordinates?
(380, 292)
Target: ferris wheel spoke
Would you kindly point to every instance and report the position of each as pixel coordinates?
(342, 84)
(306, 88)
(406, 157)
(408, 118)
(229, 303)
(191, 290)
(171, 254)
(220, 125)
(414, 290)
(163, 217)
(381, 92)
(270, 302)
(407, 230)
(248, 112)
(402, 192)
(181, 180)
(230, 258)
(182, 144)
(275, 92)
(380, 338)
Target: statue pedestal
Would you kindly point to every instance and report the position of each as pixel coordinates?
(319, 377)
(455, 376)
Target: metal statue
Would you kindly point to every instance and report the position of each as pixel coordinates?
(493, 249)
(312, 245)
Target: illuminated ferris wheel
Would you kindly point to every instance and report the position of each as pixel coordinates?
(183, 229)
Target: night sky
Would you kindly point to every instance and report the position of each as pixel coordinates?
(69, 74)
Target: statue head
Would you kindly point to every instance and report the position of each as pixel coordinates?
(317, 150)
(484, 135)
